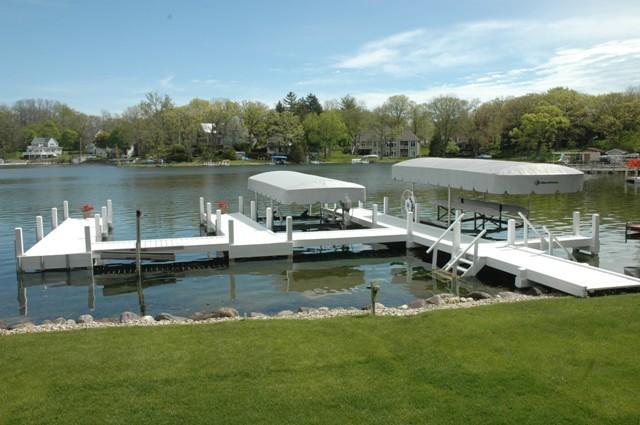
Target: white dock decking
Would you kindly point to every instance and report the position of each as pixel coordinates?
(68, 246)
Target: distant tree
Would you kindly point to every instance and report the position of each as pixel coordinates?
(279, 107)
(69, 139)
(449, 114)
(102, 139)
(313, 104)
(297, 153)
(540, 128)
(177, 153)
(290, 100)
(49, 129)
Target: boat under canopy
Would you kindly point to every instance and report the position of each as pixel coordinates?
(292, 187)
(490, 176)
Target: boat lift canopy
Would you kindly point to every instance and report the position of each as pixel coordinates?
(490, 176)
(292, 187)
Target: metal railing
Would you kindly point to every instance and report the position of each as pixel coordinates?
(551, 238)
(435, 244)
(457, 257)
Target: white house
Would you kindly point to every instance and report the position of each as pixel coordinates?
(406, 144)
(43, 148)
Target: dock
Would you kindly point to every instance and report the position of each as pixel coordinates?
(79, 243)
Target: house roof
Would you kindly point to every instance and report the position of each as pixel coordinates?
(406, 136)
(616, 152)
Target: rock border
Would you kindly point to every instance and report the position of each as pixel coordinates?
(226, 314)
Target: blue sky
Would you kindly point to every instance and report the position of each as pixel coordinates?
(105, 55)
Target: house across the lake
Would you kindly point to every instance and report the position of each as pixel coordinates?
(43, 148)
(406, 144)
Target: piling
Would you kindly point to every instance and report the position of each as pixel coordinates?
(576, 223)
(218, 222)
(289, 226)
(416, 215)
(19, 248)
(39, 228)
(231, 233)
(409, 229)
(457, 230)
(252, 207)
(87, 239)
(105, 223)
(208, 218)
(109, 214)
(360, 204)
(202, 216)
(511, 232)
(521, 278)
(138, 245)
(385, 205)
(269, 218)
(374, 216)
(54, 218)
(241, 204)
(595, 234)
(65, 210)
(98, 228)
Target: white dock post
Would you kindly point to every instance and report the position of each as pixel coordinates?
(409, 229)
(521, 278)
(511, 232)
(54, 218)
(269, 218)
(374, 215)
(65, 210)
(434, 259)
(218, 222)
(240, 204)
(252, 210)
(110, 214)
(208, 218)
(289, 225)
(98, 228)
(39, 228)
(576, 223)
(87, 244)
(104, 224)
(456, 235)
(595, 234)
(202, 216)
(525, 234)
(19, 248)
(231, 233)
(360, 204)
(550, 241)
(416, 215)
(385, 205)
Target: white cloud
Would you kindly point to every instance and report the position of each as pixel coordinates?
(167, 81)
(604, 67)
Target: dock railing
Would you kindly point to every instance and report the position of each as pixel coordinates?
(434, 248)
(551, 238)
(454, 260)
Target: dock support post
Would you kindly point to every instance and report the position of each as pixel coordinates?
(231, 233)
(521, 278)
(385, 205)
(550, 242)
(456, 235)
(202, 216)
(360, 204)
(39, 228)
(374, 215)
(19, 249)
(434, 259)
(87, 246)
(98, 228)
(240, 204)
(595, 234)
(252, 210)
(207, 222)
(511, 232)
(218, 222)
(409, 243)
(138, 245)
(416, 215)
(525, 234)
(54, 218)
(289, 225)
(269, 218)
(105, 223)
(576, 223)
(65, 210)
(109, 214)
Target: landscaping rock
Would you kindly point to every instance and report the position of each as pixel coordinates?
(70, 322)
(106, 320)
(225, 312)
(379, 306)
(436, 300)
(404, 307)
(508, 294)
(45, 322)
(418, 303)
(323, 309)
(257, 315)
(59, 321)
(85, 319)
(148, 319)
(3, 326)
(198, 316)
(168, 316)
(128, 317)
(479, 295)
(535, 291)
(23, 325)
(285, 313)
(306, 310)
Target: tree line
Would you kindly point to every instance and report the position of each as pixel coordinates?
(529, 126)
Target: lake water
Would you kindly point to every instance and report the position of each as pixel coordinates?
(168, 198)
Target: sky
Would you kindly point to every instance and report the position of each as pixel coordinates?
(99, 55)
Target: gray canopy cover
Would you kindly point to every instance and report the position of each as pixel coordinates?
(291, 187)
(490, 176)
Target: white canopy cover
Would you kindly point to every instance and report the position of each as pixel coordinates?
(291, 187)
(490, 176)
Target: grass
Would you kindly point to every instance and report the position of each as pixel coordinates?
(562, 361)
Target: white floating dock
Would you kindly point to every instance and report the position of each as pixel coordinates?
(77, 243)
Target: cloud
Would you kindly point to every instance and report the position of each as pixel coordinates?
(167, 81)
(609, 66)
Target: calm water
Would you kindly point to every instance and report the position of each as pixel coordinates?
(168, 198)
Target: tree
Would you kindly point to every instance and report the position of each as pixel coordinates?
(69, 139)
(540, 128)
(279, 107)
(289, 101)
(253, 116)
(354, 116)
(312, 104)
(398, 108)
(449, 114)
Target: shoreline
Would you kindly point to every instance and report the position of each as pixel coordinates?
(128, 319)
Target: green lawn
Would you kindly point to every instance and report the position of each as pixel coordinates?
(561, 361)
